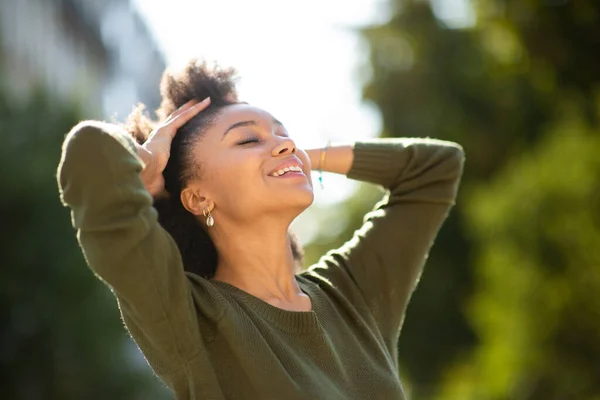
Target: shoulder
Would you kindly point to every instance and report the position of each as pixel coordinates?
(97, 133)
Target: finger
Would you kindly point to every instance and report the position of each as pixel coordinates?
(188, 114)
(170, 126)
(182, 109)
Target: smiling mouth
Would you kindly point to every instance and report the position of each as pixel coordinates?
(287, 170)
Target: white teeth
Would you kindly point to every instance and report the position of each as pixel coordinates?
(287, 169)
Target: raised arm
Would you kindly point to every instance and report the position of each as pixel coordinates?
(123, 243)
(385, 257)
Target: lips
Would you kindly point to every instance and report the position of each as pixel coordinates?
(292, 165)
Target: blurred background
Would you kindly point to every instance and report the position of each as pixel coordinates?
(509, 304)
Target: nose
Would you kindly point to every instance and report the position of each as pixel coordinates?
(285, 146)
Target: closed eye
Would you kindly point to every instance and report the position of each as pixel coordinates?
(249, 139)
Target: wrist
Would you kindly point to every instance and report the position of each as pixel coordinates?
(147, 174)
(144, 155)
(313, 156)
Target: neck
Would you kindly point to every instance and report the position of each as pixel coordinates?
(257, 259)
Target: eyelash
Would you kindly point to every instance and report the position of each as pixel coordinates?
(249, 139)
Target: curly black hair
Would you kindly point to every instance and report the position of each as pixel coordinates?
(197, 80)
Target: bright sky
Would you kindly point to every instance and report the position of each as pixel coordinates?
(299, 60)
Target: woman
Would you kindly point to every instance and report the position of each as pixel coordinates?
(206, 279)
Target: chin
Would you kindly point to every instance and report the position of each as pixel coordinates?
(304, 197)
(299, 199)
(310, 198)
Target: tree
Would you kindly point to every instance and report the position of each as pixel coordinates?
(61, 332)
(536, 308)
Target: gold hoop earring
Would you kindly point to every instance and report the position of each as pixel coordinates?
(210, 221)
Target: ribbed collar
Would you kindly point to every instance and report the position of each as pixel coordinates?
(290, 321)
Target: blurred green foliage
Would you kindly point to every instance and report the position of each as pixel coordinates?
(508, 306)
(61, 335)
(536, 309)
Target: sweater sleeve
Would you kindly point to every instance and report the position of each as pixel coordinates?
(123, 243)
(385, 257)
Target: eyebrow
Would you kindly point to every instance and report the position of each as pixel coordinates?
(249, 123)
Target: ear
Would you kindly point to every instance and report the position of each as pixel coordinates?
(193, 201)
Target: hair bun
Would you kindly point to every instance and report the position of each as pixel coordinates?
(198, 80)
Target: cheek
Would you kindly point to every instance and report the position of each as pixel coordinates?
(235, 176)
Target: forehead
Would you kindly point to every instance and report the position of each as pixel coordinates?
(243, 112)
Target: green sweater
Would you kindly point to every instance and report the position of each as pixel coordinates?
(210, 340)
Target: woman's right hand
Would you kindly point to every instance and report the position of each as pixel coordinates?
(156, 150)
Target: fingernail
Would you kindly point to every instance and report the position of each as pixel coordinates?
(206, 99)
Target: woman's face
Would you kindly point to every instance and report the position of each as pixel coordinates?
(250, 167)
